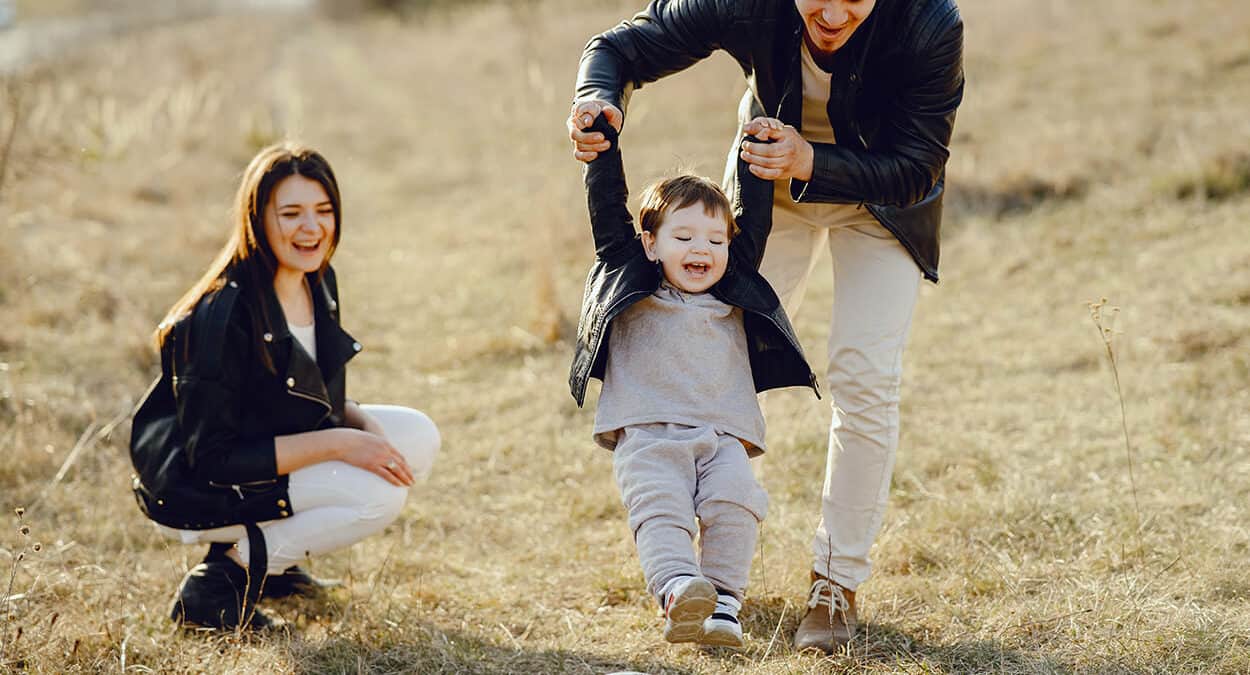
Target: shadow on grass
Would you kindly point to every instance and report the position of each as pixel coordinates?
(881, 646)
(426, 649)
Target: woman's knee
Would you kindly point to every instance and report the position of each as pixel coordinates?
(413, 434)
(340, 485)
(383, 505)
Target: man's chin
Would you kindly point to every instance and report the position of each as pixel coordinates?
(824, 46)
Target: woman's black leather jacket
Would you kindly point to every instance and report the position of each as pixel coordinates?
(203, 442)
(622, 275)
(896, 85)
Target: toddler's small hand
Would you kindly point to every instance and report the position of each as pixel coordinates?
(588, 144)
(789, 155)
(762, 127)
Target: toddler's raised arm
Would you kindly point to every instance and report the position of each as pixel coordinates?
(747, 247)
(607, 198)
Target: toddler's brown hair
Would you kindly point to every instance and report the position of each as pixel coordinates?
(678, 192)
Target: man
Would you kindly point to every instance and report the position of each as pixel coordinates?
(866, 93)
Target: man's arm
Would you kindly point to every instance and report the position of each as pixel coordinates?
(666, 37)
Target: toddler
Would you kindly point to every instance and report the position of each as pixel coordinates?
(678, 404)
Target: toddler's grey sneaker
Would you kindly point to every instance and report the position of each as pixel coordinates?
(722, 629)
(688, 602)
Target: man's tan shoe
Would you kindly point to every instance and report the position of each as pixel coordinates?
(830, 621)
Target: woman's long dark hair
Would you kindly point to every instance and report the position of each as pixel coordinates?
(248, 254)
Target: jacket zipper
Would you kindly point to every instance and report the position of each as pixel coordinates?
(238, 487)
(323, 402)
(247, 483)
(789, 87)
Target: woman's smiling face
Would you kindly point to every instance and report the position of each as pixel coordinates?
(299, 224)
(829, 24)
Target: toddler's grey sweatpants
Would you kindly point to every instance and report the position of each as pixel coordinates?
(671, 474)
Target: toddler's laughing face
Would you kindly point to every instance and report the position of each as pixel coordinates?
(692, 247)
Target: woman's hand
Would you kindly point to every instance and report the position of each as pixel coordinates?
(788, 156)
(588, 145)
(372, 452)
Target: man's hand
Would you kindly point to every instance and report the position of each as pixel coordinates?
(588, 145)
(788, 156)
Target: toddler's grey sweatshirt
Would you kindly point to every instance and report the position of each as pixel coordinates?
(680, 358)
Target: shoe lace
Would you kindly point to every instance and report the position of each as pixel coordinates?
(825, 592)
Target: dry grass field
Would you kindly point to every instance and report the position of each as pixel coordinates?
(1103, 150)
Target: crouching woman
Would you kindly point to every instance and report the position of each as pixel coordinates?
(246, 441)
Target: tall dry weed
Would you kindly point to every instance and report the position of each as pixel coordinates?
(13, 104)
(7, 609)
(1104, 317)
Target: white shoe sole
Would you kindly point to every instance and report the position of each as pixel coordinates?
(689, 610)
(721, 634)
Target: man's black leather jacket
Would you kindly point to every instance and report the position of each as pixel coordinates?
(895, 87)
(622, 275)
(203, 440)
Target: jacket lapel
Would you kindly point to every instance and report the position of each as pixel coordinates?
(335, 347)
(790, 74)
(304, 375)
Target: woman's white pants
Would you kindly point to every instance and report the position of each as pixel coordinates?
(336, 504)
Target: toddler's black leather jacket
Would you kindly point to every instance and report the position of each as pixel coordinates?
(622, 275)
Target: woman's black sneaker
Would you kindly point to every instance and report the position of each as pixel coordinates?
(293, 581)
(296, 581)
(211, 595)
